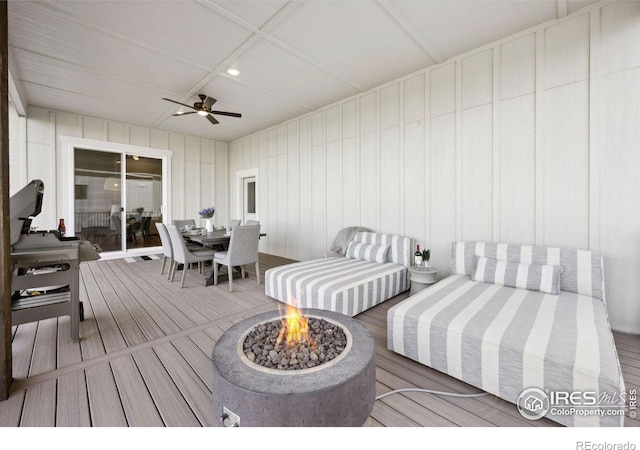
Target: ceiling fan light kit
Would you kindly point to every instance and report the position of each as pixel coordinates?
(203, 108)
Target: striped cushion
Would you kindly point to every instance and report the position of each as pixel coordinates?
(367, 252)
(535, 277)
(583, 269)
(400, 247)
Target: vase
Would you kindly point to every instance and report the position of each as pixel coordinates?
(208, 225)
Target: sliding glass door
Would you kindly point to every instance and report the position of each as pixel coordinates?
(118, 199)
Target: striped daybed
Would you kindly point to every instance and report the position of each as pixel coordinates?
(374, 269)
(495, 325)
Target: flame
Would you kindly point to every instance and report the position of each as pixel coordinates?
(295, 328)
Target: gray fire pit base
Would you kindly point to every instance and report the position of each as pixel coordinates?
(340, 393)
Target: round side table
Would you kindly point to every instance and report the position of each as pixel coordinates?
(421, 279)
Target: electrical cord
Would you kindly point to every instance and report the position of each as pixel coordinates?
(429, 391)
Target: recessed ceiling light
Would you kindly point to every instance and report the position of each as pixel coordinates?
(233, 72)
(179, 112)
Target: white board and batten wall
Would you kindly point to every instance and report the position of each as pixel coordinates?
(532, 139)
(199, 166)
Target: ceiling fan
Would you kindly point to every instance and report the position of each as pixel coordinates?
(203, 108)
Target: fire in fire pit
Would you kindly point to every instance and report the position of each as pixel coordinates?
(265, 390)
(295, 342)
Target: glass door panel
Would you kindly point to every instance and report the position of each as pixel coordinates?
(97, 200)
(143, 189)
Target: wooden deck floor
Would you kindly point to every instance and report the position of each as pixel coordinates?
(144, 359)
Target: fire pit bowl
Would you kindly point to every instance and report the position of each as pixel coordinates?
(338, 393)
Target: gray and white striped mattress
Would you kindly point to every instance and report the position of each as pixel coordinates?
(344, 285)
(504, 340)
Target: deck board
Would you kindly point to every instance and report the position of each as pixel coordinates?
(144, 358)
(168, 400)
(72, 408)
(137, 404)
(104, 399)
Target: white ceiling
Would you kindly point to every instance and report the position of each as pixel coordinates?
(117, 59)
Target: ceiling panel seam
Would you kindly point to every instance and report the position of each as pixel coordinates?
(397, 16)
(270, 24)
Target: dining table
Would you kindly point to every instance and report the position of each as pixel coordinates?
(217, 238)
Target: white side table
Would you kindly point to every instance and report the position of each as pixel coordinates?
(421, 279)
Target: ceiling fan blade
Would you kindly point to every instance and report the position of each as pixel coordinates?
(184, 113)
(173, 101)
(224, 113)
(208, 103)
(212, 119)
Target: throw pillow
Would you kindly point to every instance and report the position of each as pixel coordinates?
(367, 252)
(534, 277)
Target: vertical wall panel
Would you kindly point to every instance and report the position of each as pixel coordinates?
(620, 192)
(620, 35)
(350, 182)
(221, 182)
(443, 190)
(306, 205)
(334, 190)
(319, 201)
(118, 132)
(477, 79)
(333, 124)
(414, 99)
(443, 90)
(368, 116)
(566, 52)
(391, 179)
(254, 151)
(477, 174)
(94, 128)
(517, 170)
(566, 166)
(293, 203)
(390, 106)
(415, 179)
(282, 196)
(272, 193)
(139, 136)
(349, 119)
(518, 67)
(264, 203)
(369, 181)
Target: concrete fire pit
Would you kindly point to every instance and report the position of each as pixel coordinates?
(338, 393)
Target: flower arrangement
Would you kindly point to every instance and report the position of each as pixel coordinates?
(207, 213)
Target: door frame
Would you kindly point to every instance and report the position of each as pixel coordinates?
(240, 176)
(66, 177)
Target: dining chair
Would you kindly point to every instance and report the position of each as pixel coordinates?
(243, 249)
(167, 250)
(249, 223)
(232, 224)
(146, 228)
(183, 255)
(181, 223)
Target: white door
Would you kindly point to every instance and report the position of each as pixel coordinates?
(249, 196)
